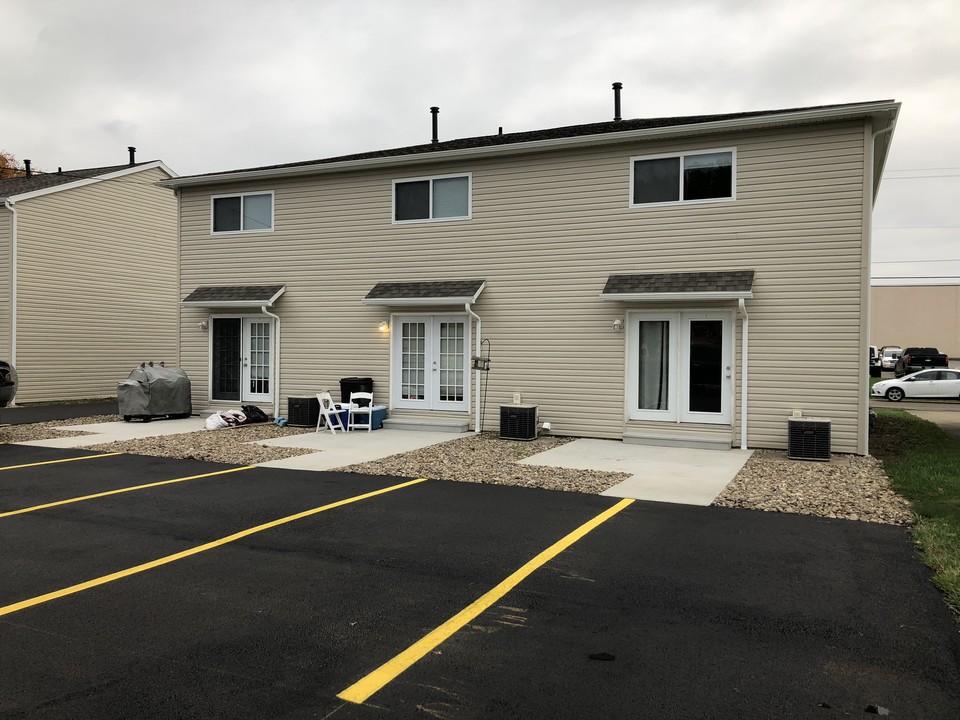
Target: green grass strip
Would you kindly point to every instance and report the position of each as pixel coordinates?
(923, 464)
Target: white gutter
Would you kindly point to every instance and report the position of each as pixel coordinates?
(276, 363)
(878, 172)
(476, 388)
(744, 345)
(13, 287)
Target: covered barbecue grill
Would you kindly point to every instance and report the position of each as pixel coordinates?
(153, 390)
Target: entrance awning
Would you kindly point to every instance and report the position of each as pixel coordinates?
(235, 296)
(441, 292)
(651, 287)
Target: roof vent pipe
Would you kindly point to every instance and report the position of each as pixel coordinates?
(133, 152)
(26, 168)
(616, 101)
(434, 111)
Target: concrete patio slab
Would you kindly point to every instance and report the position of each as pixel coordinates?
(112, 431)
(350, 448)
(661, 474)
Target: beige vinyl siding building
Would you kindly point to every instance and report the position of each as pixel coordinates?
(551, 225)
(94, 282)
(917, 316)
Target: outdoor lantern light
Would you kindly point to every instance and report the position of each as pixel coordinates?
(618, 325)
(384, 326)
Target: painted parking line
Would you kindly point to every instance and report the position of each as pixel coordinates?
(105, 493)
(62, 460)
(104, 579)
(361, 690)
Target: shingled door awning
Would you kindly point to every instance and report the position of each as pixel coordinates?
(235, 296)
(438, 292)
(651, 287)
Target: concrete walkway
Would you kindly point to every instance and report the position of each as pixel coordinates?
(662, 474)
(675, 475)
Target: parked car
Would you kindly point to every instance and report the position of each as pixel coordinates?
(889, 354)
(8, 383)
(923, 384)
(914, 359)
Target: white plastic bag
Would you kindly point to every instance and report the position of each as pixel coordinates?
(215, 422)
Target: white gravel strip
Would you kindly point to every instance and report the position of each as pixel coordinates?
(848, 486)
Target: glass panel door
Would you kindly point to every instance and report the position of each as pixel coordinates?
(653, 377)
(451, 360)
(431, 363)
(679, 366)
(413, 361)
(707, 367)
(225, 360)
(257, 360)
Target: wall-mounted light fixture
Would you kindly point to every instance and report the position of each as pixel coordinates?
(384, 326)
(618, 325)
(202, 325)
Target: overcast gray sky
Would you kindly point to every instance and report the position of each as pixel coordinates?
(208, 85)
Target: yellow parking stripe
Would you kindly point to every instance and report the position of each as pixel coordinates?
(361, 690)
(103, 580)
(54, 462)
(121, 490)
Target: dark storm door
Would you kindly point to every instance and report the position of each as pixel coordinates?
(226, 358)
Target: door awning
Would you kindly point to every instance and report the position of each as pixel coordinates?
(437, 292)
(234, 296)
(651, 287)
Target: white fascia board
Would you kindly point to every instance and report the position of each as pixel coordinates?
(422, 301)
(90, 181)
(733, 124)
(654, 297)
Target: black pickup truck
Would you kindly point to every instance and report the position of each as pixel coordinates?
(914, 359)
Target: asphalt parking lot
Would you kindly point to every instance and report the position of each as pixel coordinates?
(266, 593)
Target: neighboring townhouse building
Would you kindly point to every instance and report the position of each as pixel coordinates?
(916, 313)
(88, 274)
(653, 280)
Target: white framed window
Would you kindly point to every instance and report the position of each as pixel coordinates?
(245, 212)
(444, 197)
(707, 176)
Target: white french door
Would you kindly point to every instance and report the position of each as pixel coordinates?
(242, 359)
(680, 366)
(431, 362)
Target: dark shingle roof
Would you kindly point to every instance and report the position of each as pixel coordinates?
(234, 294)
(42, 180)
(425, 290)
(737, 281)
(569, 131)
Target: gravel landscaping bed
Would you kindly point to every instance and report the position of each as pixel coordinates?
(848, 486)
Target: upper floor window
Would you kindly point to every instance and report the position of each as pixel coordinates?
(251, 212)
(690, 177)
(438, 198)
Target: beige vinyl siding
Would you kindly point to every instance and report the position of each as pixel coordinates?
(96, 285)
(547, 230)
(917, 316)
(6, 241)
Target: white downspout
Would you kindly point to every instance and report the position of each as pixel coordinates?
(744, 345)
(13, 287)
(476, 382)
(276, 363)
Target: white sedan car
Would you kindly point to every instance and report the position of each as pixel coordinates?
(923, 384)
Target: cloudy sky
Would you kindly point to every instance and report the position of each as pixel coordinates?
(208, 85)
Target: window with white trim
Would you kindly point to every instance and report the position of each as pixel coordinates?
(690, 177)
(248, 212)
(434, 198)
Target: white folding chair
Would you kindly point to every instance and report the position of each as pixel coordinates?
(357, 409)
(329, 412)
